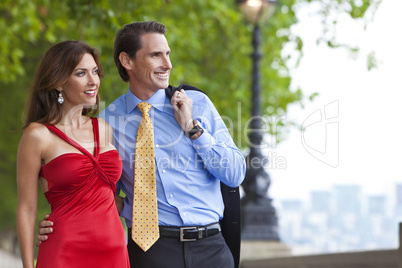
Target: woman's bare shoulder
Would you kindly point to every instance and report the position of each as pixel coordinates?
(104, 125)
(102, 122)
(36, 131)
(34, 141)
(106, 132)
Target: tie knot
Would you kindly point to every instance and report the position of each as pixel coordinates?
(144, 107)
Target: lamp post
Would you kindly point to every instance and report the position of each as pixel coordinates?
(259, 220)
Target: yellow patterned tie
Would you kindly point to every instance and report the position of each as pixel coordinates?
(145, 230)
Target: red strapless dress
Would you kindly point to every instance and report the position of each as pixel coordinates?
(87, 230)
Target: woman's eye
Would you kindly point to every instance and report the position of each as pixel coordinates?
(81, 73)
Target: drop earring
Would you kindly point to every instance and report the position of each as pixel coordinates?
(60, 99)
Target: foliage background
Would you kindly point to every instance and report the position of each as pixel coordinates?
(210, 43)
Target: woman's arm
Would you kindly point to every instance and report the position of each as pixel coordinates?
(29, 157)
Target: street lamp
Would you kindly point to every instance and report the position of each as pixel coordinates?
(259, 220)
(257, 11)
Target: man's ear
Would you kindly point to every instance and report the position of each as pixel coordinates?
(125, 60)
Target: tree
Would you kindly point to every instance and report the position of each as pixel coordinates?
(210, 49)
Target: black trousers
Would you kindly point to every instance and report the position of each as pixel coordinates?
(210, 252)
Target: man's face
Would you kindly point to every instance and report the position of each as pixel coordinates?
(151, 66)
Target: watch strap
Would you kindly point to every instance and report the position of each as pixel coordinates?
(197, 128)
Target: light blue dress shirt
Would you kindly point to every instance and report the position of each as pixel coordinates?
(188, 172)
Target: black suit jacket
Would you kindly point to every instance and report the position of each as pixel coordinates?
(230, 223)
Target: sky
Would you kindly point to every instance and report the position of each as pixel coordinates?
(353, 132)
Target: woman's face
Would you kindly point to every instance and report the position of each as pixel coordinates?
(82, 86)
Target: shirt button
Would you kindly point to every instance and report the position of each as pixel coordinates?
(184, 214)
(157, 145)
(164, 171)
(198, 147)
(171, 195)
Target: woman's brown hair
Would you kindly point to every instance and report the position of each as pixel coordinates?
(55, 68)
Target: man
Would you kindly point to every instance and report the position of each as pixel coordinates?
(193, 154)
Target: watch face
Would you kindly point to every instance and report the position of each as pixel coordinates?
(197, 128)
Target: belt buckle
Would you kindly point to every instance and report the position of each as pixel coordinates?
(182, 239)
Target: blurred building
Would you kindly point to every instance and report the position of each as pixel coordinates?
(340, 219)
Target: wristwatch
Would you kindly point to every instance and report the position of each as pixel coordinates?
(197, 128)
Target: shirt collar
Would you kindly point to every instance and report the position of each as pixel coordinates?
(158, 101)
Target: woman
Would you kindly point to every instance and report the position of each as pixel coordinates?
(72, 155)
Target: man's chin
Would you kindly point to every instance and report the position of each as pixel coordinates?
(164, 85)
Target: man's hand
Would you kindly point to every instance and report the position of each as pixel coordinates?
(44, 228)
(183, 106)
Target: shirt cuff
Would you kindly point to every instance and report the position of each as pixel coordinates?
(204, 142)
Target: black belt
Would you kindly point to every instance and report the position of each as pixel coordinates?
(190, 233)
